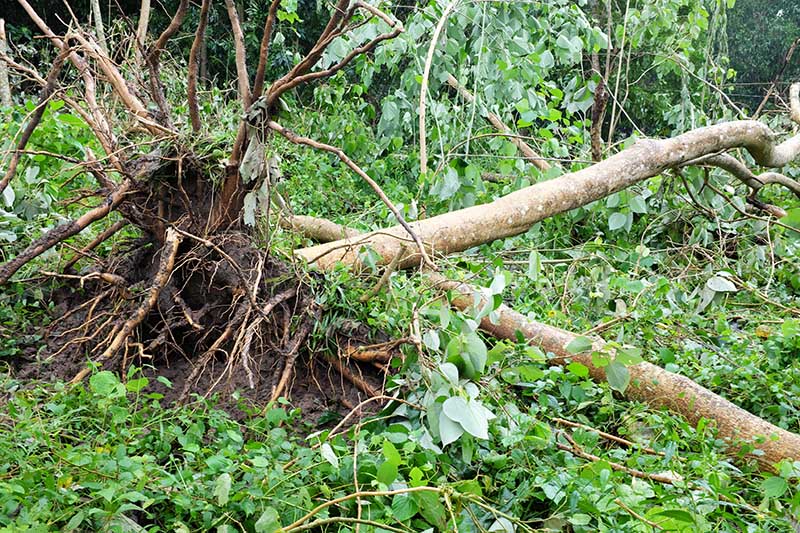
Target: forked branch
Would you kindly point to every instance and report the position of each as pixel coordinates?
(298, 139)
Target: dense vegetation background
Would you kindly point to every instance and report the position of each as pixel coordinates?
(488, 436)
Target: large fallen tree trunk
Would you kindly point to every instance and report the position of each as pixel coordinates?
(515, 213)
(746, 434)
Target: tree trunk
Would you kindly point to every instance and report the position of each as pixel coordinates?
(141, 33)
(5, 87)
(515, 213)
(650, 384)
(97, 14)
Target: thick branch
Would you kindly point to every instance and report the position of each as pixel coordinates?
(529, 153)
(738, 170)
(297, 139)
(363, 49)
(62, 232)
(649, 383)
(317, 229)
(241, 59)
(263, 51)
(174, 25)
(517, 212)
(311, 59)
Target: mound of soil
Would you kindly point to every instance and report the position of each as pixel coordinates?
(229, 318)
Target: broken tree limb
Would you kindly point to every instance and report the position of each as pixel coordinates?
(650, 384)
(530, 154)
(64, 231)
(317, 229)
(516, 212)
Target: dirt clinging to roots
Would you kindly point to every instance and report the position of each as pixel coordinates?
(229, 318)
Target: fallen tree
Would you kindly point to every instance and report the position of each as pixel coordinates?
(197, 284)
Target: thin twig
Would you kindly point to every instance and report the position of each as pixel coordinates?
(298, 139)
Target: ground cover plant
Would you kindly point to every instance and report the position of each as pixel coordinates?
(375, 267)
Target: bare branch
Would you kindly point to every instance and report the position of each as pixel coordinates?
(737, 169)
(297, 139)
(36, 117)
(174, 25)
(64, 231)
(197, 45)
(398, 29)
(241, 59)
(263, 52)
(311, 59)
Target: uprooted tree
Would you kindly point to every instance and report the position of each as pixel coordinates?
(199, 287)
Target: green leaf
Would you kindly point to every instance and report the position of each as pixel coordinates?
(104, 383)
(468, 352)
(391, 454)
(637, 204)
(75, 521)
(629, 356)
(618, 376)
(329, 455)
(617, 221)
(222, 488)
(468, 415)
(774, 487)
(268, 522)
(720, 283)
(579, 345)
(136, 385)
(403, 507)
(431, 509)
(387, 473)
(578, 369)
(449, 430)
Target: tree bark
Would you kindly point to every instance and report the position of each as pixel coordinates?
(97, 15)
(515, 213)
(649, 384)
(5, 87)
(141, 33)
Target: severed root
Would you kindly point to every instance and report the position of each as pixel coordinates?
(168, 253)
(362, 385)
(293, 349)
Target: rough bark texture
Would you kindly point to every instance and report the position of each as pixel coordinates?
(515, 213)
